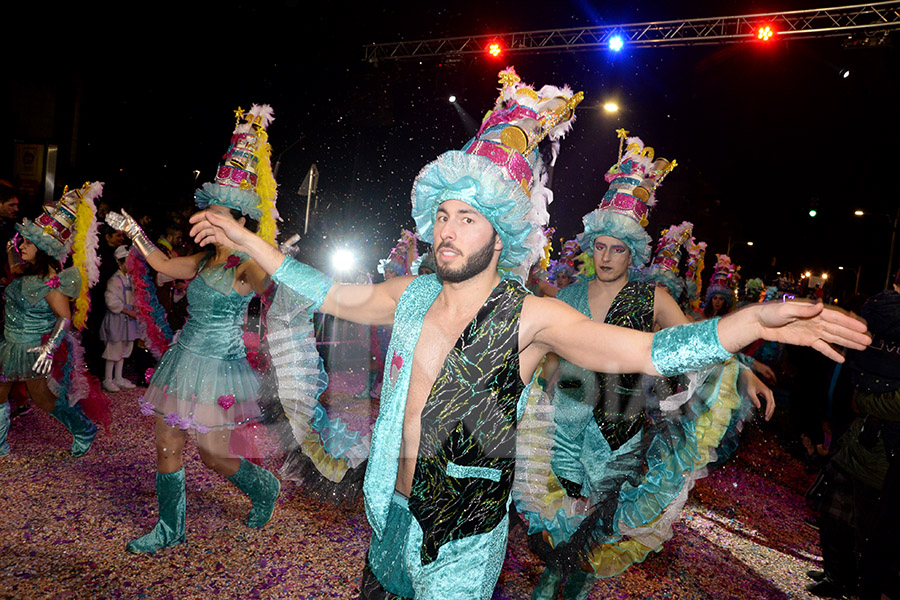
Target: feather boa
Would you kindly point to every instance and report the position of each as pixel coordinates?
(84, 252)
(151, 313)
(72, 384)
(266, 188)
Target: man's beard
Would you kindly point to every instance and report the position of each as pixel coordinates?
(477, 263)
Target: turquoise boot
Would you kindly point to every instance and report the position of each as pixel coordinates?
(82, 429)
(547, 587)
(169, 528)
(578, 586)
(4, 428)
(262, 487)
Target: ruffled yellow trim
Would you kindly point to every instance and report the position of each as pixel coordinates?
(608, 560)
(332, 468)
(712, 424)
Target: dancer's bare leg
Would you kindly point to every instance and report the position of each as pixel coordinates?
(214, 452)
(40, 393)
(169, 446)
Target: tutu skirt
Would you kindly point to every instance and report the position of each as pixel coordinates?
(195, 391)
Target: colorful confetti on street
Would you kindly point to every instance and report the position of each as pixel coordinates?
(66, 522)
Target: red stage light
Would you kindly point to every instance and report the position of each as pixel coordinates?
(495, 49)
(765, 33)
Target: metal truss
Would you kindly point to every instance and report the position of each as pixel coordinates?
(825, 22)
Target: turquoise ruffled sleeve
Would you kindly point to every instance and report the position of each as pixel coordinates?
(689, 347)
(304, 280)
(69, 282)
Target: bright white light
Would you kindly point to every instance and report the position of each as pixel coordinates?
(845, 73)
(452, 98)
(840, 268)
(749, 243)
(342, 260)
(616, 43)
(858, 213)
(611, 107)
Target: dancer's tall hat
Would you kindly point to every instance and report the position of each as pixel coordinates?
(244, 179)
(70, 226)
(693, 270)
(622, 213)
(664, 267)
(500, 172)
(724, 280)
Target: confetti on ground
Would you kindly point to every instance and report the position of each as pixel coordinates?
(66, 522)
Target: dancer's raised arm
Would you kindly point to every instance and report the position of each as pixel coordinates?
(366, 303)
(182, 267)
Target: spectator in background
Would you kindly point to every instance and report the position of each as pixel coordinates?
(9, 213)
(172, 292)
(120, 327)
(858, 491)
(109, 240)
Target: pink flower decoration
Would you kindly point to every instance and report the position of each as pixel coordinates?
(172, 420)
(148, 374)
(146, 409)
(226, 401)
(232, 261)
(202, 428)
(53, 282)
(186, 423)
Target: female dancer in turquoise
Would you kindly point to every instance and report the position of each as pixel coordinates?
(38, 318)
(204, 382)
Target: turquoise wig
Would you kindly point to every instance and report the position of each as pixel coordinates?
(482, 185)
(606, 222)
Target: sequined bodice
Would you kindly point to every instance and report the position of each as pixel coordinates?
(214, 326)
(28, 316)
(607, 396)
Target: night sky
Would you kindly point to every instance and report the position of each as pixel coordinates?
(142, 97)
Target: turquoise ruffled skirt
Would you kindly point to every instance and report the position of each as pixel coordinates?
(193, 391)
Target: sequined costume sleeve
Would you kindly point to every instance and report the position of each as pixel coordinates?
(304, 281)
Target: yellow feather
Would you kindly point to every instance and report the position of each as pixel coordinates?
(266, 188)
(83, 220)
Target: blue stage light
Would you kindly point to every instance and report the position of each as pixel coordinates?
(616, 43)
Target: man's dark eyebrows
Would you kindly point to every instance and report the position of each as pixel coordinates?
(462, 211)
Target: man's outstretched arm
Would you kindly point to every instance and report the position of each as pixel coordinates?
(551, 326)
(368, 304)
